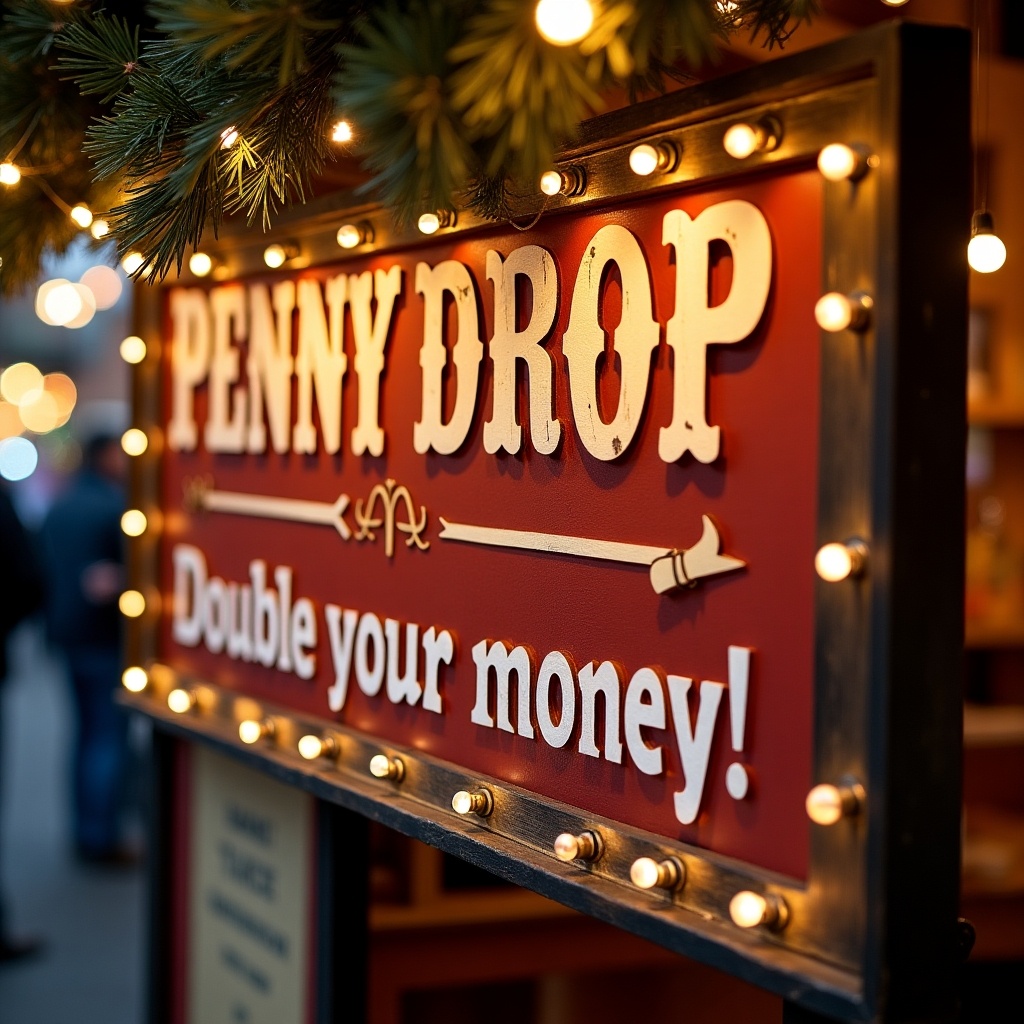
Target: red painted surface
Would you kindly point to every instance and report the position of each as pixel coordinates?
(763, 392)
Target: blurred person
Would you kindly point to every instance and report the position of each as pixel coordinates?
(21, 596)
(83, 550)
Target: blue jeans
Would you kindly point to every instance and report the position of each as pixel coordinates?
(100, 750)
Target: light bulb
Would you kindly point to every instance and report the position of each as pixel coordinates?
(838, 162)
(132, 262)
(99, 228)
(310, 747)
(342, 132)
(228, 137)
(836, 562)
(133, 349)
(131, 604)
(647, 873)
(479, 802)
(585, 846)
(564, 22)
(647, 158)
(986, 252)
(384, 767)
(9, 174)
(81, 215)
(551, 183)
(836, 312)
(200, 263)
(826, 804)
(180, 701)
(894, 3)
(250, 731)
(428, 223)
(744, 139)
(351, 235)
(134, 441)
(134, 679)
(276, 255)
(134, 523)
(750, 909)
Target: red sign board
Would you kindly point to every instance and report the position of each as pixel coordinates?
(628, 702)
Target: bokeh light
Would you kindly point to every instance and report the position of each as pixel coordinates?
(19, 381)
(105, 285)
(18, 458)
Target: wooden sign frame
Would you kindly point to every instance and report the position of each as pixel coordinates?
(873, 934)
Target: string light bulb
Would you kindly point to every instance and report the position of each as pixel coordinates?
(432, 221)
(647, 873)
(839, 162)
(133, 349)
(200, 263)
(572, 181)
(342, 132)
(649, 157)
(10, 174)
(99, 228)
(228, 137)
(384, 767)
(986, 252)
(478, 801)
(836, 562)
(81, 215)
(132, 262)
(131, 604)
(134, 522)
(134, 441)
(134, 679)
(564, 22)
(586, 846)
(750, 910)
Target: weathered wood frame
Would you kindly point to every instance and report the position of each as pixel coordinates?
(873, 934)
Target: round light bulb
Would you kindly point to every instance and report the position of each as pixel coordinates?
(644, 873)
(384, 767)
(9, 174)
(99, 228)
(250, 731)
(428, 223)
(275, 256)
(643, 159)
(986, 252)
(134, 679)
(134, 441)
(180, 701)
(462, 802)
(564, 22)
(132, 262)
(567, 847)
(837, 162)
(133, 349)
(894, 3)
(342, 132)
(310, 747)
(228, 137)
(833, 312)
(200, 263)
(349, 236)
(134, 523)
(824, 804)
(551, 183)
(81, 215)
(741, 140)
(834, 562)
(748, 909)
(131, 604)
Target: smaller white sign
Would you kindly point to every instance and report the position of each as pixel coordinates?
(249, 900)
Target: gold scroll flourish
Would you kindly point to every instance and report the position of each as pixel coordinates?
(368, 518)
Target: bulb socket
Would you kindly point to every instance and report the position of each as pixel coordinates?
(647, 873)
(587, 846)
(384, 767)
(828, 803)
(477, 801)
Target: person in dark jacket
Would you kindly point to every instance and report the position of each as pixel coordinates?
(21, 596)
(84, 555)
